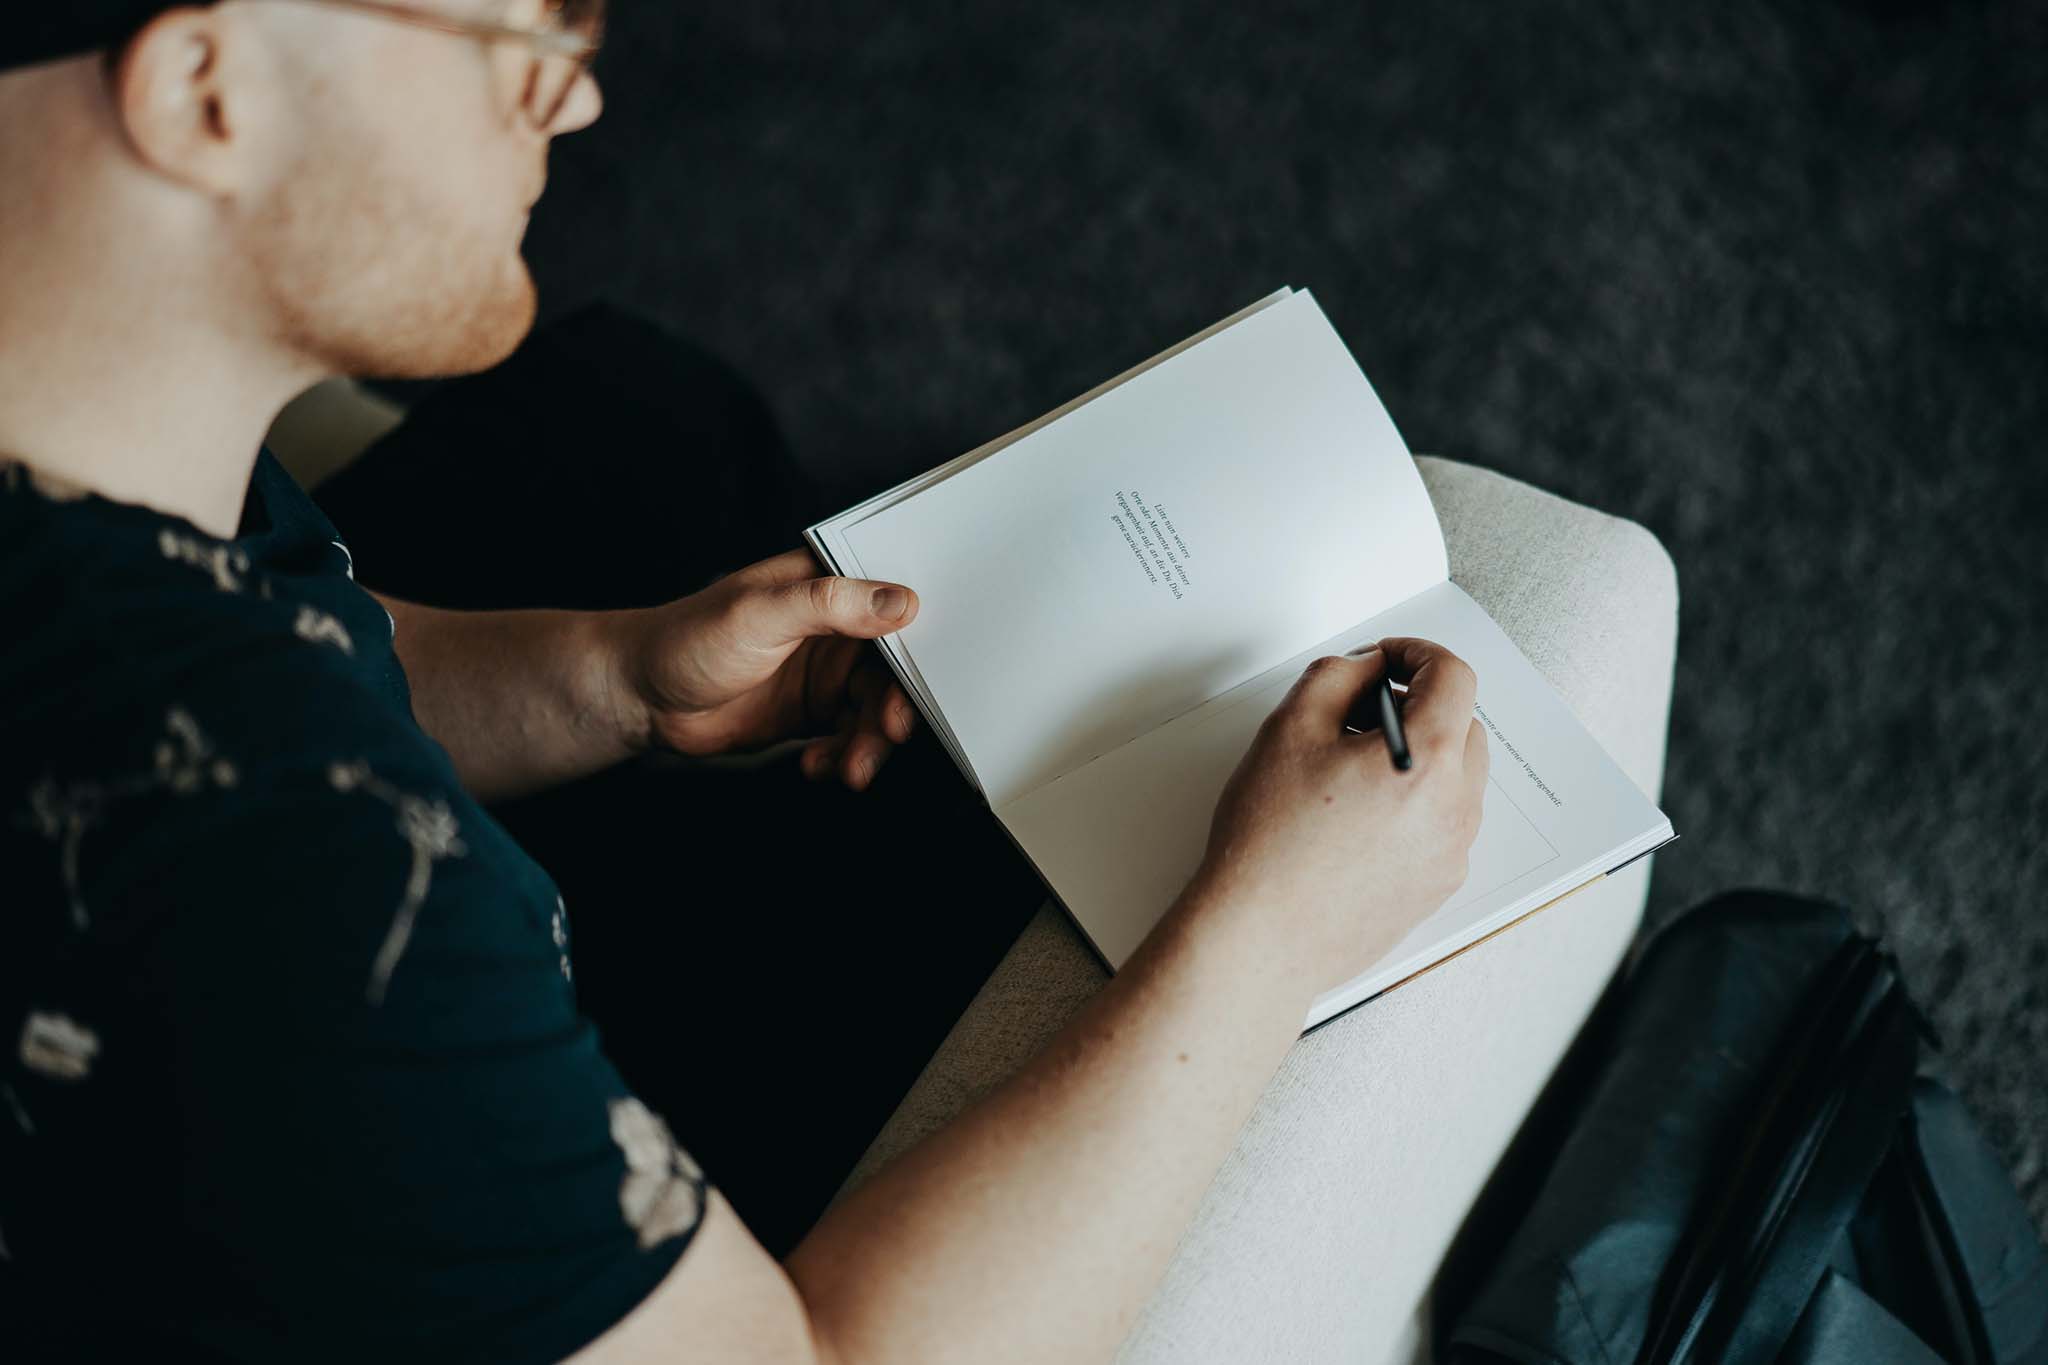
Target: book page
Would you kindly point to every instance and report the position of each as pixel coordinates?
(1154, 547)
(828, 539)
(830, 529)
(1118, 838)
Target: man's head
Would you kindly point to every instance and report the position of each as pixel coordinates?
(351, 180)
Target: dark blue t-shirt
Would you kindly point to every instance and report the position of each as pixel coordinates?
(290, 1060)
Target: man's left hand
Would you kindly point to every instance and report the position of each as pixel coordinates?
(774, 651)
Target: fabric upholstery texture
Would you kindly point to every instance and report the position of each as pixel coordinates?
(1322, 1233)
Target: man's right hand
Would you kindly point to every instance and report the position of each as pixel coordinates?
(1320, 837)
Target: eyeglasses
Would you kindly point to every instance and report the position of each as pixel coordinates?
(563, 43)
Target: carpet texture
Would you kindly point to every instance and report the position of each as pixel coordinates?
(1770, 278)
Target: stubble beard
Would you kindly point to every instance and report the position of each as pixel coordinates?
(369, 280)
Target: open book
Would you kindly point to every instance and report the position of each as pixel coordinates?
(1112, 598)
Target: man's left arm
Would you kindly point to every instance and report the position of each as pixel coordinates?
(521, 700)
(524, 700)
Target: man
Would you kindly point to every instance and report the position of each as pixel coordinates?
(299, 1068)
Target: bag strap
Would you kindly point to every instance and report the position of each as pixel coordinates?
(1820, 1131)
(1986, 1266)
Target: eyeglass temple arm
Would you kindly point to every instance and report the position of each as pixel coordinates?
(552, 42)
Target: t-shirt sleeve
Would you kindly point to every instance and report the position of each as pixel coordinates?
(396, 1137)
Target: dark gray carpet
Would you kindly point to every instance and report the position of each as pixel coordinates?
(1769, 278)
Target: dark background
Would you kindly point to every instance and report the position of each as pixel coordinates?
(1769, 278)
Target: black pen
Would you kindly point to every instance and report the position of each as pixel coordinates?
(1390, 722)
(1390, 726)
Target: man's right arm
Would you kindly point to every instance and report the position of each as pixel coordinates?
(1033, 1227)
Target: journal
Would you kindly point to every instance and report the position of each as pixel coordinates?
(1113, 597)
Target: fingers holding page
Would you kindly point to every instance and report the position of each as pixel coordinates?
(899, 717)
(870, 745)
(869, 729)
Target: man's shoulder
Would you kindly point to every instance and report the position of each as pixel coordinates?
(218, 764)
(120, 642)
(205, 829)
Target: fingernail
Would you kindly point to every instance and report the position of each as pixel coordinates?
(889, 603)
(866, 771)
(1362, 651)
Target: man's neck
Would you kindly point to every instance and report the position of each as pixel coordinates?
(164, 418)
(127, 367)
(153, 408)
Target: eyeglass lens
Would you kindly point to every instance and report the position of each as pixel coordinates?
(554, 74)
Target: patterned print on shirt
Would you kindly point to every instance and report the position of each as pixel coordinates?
(430, 830)
(183, 763)
(19, 1110)
(54, 1045)
(228, 565)
(560, 930)
(662, 1194)
(319, 628)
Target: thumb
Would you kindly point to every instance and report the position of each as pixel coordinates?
(859, 607)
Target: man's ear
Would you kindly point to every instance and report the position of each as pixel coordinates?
(181, 94)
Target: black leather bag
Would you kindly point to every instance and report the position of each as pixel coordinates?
(1739, 1163)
